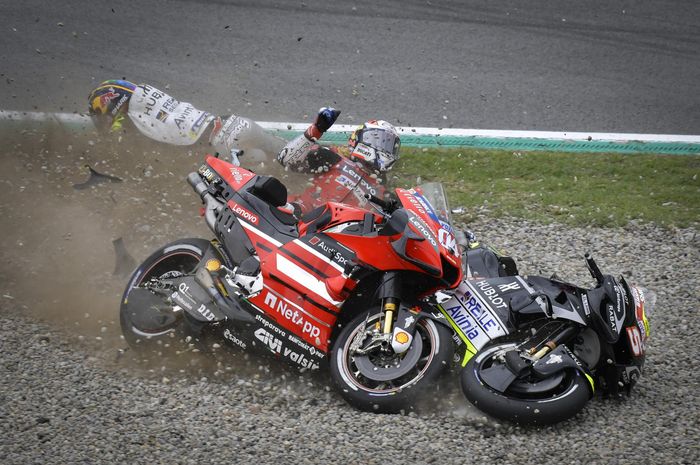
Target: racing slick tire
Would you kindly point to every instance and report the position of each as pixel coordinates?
(427, 358)
(527, 402)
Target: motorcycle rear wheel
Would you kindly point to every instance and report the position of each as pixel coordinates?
(391, 395)
(527, 402)
(180, 256)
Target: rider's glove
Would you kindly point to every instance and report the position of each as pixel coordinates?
(324, 120)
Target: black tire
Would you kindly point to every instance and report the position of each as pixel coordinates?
(551, 405)
(392, 396)
(183, 256)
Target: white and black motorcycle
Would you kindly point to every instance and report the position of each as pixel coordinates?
(537, 349)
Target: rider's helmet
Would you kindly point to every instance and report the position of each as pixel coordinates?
(376, 144)
(108, 103)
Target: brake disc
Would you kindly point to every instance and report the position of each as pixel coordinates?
(380, 372)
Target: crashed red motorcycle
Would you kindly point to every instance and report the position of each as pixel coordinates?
(343, 288)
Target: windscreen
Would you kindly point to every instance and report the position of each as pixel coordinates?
(435, 194)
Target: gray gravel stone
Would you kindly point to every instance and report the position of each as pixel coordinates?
(72, 392)
(65, 400)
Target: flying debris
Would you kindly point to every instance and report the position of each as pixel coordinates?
(125, 263)
(95, 179)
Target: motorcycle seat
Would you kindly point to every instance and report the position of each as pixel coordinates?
(271, 190)
(274, 193)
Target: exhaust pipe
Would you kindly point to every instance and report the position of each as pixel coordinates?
(212, 207)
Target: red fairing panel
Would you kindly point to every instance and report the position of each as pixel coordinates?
(236, 176)
(295, 293)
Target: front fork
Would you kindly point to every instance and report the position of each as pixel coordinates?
(551, 354)
(389, 307)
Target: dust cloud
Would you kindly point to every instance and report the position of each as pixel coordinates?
(57, 259)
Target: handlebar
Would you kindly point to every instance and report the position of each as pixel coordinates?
(593, 268)
(387, 206)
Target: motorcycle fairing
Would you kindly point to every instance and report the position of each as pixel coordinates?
(479, 310)
(267, 337)
(255, 210)
(438, 232)
(235, 176)
(609, 303)
(560, 359)
(295, 294)
(562, 296)
(192, 298)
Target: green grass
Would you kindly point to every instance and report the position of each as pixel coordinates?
(577, 189)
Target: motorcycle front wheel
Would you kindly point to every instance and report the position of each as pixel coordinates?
(151, 326)
(383, 381)
(526, 401)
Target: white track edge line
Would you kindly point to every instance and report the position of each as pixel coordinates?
(77, 118)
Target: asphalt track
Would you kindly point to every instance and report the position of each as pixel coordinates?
(602, 66)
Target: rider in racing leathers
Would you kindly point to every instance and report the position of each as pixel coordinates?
(116, 103)
(372, 150)
(341, 175)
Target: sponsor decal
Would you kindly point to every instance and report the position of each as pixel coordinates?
(205, 312)
(207, 173)
(272, 343)
(162, 116)
(182, 296)
(619, 307)
(642, 322)
(412, 198)
(573, 357)
(181, 301)
(119, 104)
(514, 286)
(307, 347)
(635, 339)
(447, 240)
(152, 96)
(331, 252)
(243, 213)
(170, 104)
(229, 128)
(357, 179)
(630, 375)
(586, 305)
(181, 118)
(229, 335)
(420, 225)
(199, 122)
(481, 313)
(270, 326)
(402, 337)
(300, 359)
(240, 176)
(466, 323)
(490, 293)
(108, 97)
(611, 318)
(408, 322)
(345, 181)
(287, 310)
(554, 358)
(275, 345)
(446, 226)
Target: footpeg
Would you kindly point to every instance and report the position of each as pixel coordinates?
(247, 277)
